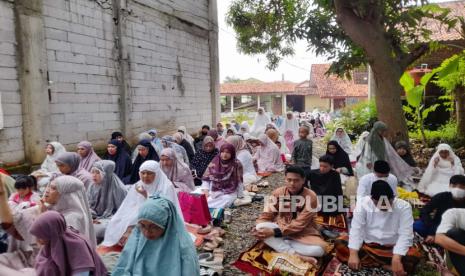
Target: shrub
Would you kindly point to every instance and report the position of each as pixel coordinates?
(355, 119)
(445, 134)
(238, 116)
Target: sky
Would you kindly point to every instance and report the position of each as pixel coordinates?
(235, 64)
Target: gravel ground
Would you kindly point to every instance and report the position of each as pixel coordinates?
(238, 238)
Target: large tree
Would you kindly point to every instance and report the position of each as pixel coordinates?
(389, 35)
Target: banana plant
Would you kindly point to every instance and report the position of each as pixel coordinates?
(416, 107)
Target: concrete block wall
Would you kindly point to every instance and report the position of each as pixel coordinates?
(11, 137)
(170, 72)
(168, 46)
(82, 68)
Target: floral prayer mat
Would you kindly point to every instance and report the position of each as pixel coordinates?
(262, 260)
(336, 268)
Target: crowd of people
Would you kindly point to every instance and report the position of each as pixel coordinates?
(65, 217)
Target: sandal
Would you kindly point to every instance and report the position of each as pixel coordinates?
(216, 238)
(263, 184)
(254, 188)
(220, 230)
(209, 272)
(206, 257)
(205, 230)
(211, 245)
(217, 262)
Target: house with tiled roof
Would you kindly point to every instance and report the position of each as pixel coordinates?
(321, 92)
(452, 42)
(272, 96)
(334, 91)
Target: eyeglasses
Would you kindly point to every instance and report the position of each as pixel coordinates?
(148, 228)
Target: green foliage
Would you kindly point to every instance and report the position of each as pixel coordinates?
(355, 118)
(450, 76)
(239, 117)
(416, 108)
(232, 79)
(445, 134)
(271, 27)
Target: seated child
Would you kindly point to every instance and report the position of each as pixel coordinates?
(25, 195)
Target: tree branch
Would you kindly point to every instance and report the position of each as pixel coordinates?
(406, 59)
(367, 35)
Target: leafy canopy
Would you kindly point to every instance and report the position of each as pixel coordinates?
(271, 27)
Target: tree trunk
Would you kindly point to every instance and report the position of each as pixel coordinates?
(386, 70)
(388, 100)
(460, 110)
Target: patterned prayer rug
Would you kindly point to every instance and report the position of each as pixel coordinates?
(262, 260)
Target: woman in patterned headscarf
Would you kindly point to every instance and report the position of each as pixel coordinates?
(223, 178)
(202, 159)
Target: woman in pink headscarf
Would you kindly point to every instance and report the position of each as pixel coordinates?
(219, 141)
(64, 251)
(177, 171)
(268, 157)
(88, 155)
(289, 138)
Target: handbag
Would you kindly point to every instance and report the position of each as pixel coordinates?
(194, 208)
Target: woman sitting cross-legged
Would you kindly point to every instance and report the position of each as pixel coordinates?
(153, 180)
(442, 166)
(64, 251)
(68, 164)
(105, 195)
(246, 159)
(268, 156)
(160, 244)
(117, 153)
(177, 171)
(145, 151)
(223, 178)
(66, 195)
(202, 159)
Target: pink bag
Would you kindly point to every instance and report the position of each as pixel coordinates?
(194, 208)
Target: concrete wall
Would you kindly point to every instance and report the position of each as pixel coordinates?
(125, 65)
(313, 101)
(11, 138)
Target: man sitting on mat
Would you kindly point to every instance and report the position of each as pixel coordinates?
(287, 224)
(432, 212)
(326, 183)
(451, 236)
(381, 233)
(381, 171)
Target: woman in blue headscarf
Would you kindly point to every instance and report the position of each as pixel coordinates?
(156, 141)
(159, 245)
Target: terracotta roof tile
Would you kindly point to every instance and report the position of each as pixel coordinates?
(304, 88)
(277, 87)
(333, 87)
(439, 31)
